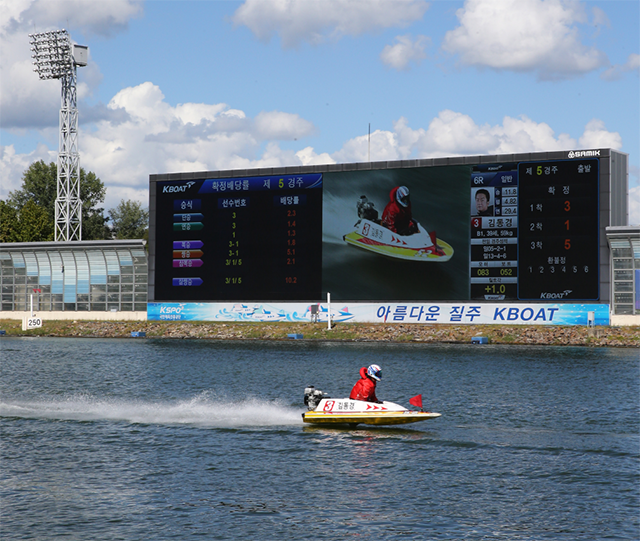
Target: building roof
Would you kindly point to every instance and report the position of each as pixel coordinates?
(76, 244)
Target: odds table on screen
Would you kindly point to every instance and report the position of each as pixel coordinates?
(258, 238)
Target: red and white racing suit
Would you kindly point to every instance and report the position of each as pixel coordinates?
(365, 388)
(396, 217)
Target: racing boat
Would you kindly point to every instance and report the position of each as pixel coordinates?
(372, 236)
(376, 238)
(324, 410)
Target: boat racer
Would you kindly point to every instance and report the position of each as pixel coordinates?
(482, 203)
(397, 214)
(365, 387)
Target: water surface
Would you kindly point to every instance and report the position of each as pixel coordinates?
(196, 439)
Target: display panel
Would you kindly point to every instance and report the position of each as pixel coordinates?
(364, 260)
(508, 231)
(535, 231)
(239, 239)
(558, 248)
(493, 261)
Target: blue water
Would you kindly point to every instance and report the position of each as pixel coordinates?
(163, 439)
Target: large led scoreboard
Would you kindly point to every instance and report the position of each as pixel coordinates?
(543, 230)
(237, 239)
(522, 228)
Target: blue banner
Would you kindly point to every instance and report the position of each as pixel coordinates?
(443, 313)
(281, 183)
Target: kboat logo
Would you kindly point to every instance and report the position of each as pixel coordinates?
(180, 188)
(560, 295)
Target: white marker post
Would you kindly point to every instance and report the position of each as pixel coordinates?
(32, 322)
(329, 311)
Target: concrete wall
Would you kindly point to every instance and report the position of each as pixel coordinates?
(92, 316)
(625, 321)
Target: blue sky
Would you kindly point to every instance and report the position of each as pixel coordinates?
(205, 85)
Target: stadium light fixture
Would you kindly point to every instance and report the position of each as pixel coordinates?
(56, 57)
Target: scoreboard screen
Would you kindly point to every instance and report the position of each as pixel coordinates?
(507, 231)
(535, 232)
(234, 239)
(558, 240)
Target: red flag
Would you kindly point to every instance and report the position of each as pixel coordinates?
(416, 401)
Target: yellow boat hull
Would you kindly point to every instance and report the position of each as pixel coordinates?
(374, 237)
(398, 252)
(364, 418)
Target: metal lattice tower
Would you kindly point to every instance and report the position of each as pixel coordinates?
(55, 57)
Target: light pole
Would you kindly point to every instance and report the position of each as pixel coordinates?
(55, 57)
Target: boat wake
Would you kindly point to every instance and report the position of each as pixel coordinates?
(202, 411)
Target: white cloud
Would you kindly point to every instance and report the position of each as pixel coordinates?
(543, 38)
(405, 51)
(634, 206)
(26, 101)
(600, 19)
(455, 134)
(102, 18)
(151, 136)
(12, 166)
(633, 63)
(297, 21)
(156, 137)
(282, 126)
(384, 146)
(140, 134)
(596, 136)
(616, 72)
(308, 156)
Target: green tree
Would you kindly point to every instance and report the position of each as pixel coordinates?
(130, 220)
(30, 224)
(8, 222)
(34, 224)
(40, 185)
(94, 222)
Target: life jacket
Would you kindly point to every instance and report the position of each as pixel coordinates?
(365, 388)
(396, 217)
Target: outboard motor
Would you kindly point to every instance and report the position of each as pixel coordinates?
(312, 397)
(366, 210)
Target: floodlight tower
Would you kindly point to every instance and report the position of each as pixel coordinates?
(55, 57)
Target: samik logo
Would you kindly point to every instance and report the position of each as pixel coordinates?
(181, 188)
(562, 295)
(584, 153)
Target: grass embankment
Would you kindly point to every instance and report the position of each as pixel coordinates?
(381, 332)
